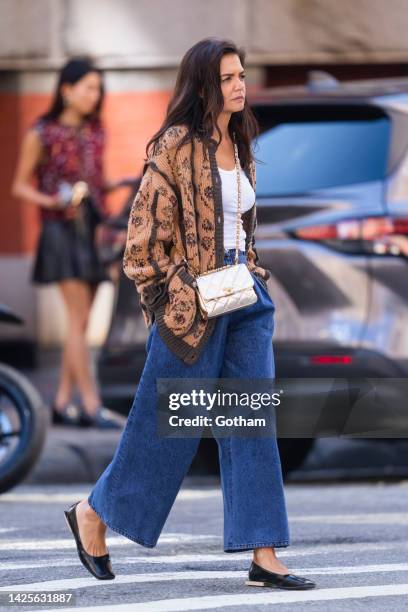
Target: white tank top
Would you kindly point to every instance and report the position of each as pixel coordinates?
(230, 204)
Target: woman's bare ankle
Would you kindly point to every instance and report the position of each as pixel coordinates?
(266, 558)
(89, 513)
(92, 530)
(267, 551)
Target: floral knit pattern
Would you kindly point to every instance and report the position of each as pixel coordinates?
(70, 154)
(175, 231)
(180, 309)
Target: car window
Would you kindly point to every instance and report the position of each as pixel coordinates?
(303, 156)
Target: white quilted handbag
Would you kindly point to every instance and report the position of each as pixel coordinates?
(225, 289)
(230, 287)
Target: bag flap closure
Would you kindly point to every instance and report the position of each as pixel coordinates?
(225, 282)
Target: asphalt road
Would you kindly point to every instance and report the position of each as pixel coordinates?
(349, 538)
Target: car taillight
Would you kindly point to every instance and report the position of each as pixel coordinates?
(380, 235)
(330, 359)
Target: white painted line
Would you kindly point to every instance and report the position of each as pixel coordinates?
(184, 493)
(152, 560)
(366, 518)
(54, 498)
(51, 498)
(266, 597)
(296, 551)
(6, 529)
(342, 570)
(292, 551)
(79, 583)
(63, 543)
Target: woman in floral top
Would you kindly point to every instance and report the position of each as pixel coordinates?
(62, 147)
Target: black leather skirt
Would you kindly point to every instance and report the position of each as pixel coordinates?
(66, 251)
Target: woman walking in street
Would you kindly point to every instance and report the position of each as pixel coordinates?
(63, 147)
(198, 177)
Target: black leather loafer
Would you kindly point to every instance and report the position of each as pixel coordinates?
(100, 567)
(258, 576)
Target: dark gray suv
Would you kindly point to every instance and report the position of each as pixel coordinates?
(332, 201)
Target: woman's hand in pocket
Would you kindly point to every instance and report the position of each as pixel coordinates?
(181, 308)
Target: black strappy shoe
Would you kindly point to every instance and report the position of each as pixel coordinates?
(102, 419)
(258, 576)
(100, 567)
(68, 415)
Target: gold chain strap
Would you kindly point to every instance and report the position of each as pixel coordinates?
(238, 170)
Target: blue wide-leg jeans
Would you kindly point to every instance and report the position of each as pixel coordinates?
(136, 491)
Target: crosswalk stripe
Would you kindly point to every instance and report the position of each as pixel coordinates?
(367, 518)
(71, 497)
(62, 543)
(297, 551)
(185, 493)
(265, 597)
(89, 581)
(153, 560)
(80, 583)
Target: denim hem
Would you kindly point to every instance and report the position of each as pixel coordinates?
(121, 531)
(253, 545)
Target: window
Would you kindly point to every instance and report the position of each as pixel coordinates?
(306, 155)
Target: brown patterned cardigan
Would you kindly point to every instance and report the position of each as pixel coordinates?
(175, 230)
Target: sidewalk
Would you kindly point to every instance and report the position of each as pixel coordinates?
(70, 454)
(74, 454)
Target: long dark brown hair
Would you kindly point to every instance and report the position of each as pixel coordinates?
(199, 71)
(73, 70)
